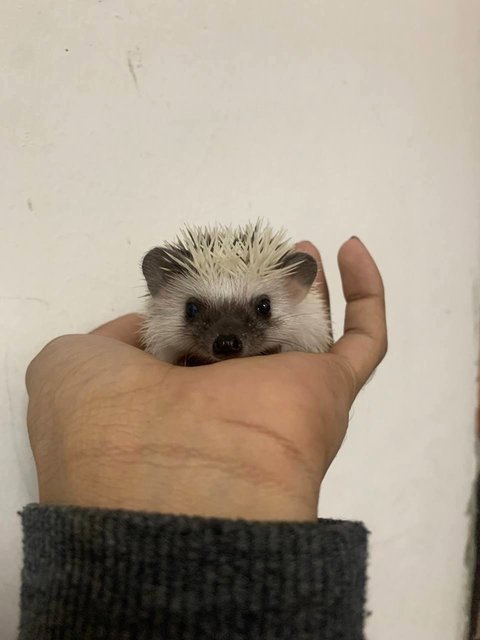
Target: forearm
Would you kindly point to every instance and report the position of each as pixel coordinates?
(92, 574)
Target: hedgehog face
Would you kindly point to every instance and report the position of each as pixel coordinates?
(223, 329)
(226, 294)
(189, 322)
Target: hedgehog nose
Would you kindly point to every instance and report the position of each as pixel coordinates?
(227, 345)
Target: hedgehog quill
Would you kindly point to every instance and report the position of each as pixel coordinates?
(226, 292)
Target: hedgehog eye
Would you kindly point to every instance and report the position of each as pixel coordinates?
(263, 307)
(192, 309)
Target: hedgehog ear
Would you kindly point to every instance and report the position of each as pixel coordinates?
(160, 264)
(153, 266)
(302, 273)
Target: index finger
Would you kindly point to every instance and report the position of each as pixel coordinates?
(364, 342)
(126, 329)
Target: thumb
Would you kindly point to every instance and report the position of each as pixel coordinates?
(364, 342)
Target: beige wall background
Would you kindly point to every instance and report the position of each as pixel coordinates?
(122, 119)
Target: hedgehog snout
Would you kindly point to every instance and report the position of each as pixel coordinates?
(227, 346)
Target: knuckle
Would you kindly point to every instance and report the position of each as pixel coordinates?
(382, 342)
(384, 347)
(49, 351)
(349, 375)
(60, 341)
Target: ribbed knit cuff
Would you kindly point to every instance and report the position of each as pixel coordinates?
(100, 574)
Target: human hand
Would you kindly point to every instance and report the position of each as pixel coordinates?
(112, 427)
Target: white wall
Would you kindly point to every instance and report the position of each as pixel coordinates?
(121, 119)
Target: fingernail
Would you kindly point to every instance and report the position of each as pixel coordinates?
(355, 238)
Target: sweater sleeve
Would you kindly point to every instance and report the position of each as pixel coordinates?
(93, 574)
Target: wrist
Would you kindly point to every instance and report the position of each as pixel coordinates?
(209, 470)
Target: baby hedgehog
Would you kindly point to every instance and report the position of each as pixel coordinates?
(224, 292)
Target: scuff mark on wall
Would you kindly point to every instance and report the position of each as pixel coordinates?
(134, 61)
(26, 299)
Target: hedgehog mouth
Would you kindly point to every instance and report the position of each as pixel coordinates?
(190, 360)
(270, 352)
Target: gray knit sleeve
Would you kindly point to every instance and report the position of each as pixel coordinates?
(92, 574)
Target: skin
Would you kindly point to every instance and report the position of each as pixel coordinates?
(111, 426)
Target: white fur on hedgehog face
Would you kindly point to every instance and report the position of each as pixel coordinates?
(228, 306)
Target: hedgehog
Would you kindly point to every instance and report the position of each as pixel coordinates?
(223, 292)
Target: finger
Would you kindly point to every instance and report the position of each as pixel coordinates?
(364, 342)
(65, 348)
(321, 281)
(126, 329)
